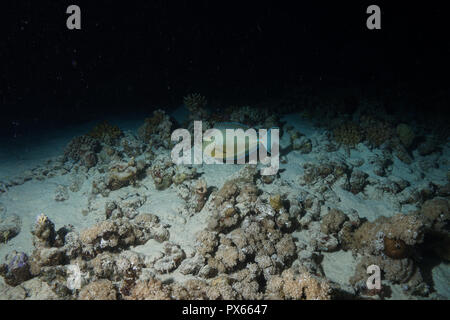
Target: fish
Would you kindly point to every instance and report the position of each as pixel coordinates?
(246, 147)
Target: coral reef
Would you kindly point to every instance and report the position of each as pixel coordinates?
(83, 149)
(156, 131)
(106, 133)
(151, 229)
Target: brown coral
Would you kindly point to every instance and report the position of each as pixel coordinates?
(106, 133)
(377, 132)
(348, 134)
(395, 248)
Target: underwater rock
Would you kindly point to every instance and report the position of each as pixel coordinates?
(61, 193)
(151, 289)
(16, 268)
(76, 181)
(401, 153)
(302, 144)
(257, 241)
(200, 194)
(125, 207)
(405, 134)
(43, 232)
(206, 242)
(323, 173)
(45, 257)
(357, 182)
(112, 235)
(443, 190)
(162, 171)
(122, 174)
(268, 179)
(297, 286)
(369, 237)
(356, 162)
(402, 271)
(436, 214)
(82, 149)
(427, 147)
(99, 290)
(151, 228)
(276, 202)
(183, 173)
(333, 221)
(231, 204)
(107, 235)
(381, 163)
(10, 226)
(192, 265)
(131, 146)
(156, 131)
(173, 255)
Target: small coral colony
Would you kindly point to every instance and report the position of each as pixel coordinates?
(244, 235)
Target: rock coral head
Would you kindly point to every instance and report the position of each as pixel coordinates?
(194, 101)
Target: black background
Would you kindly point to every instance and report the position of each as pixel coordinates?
(139, 55)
